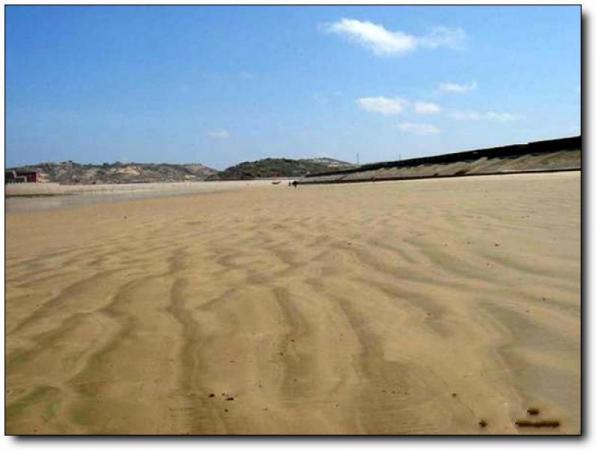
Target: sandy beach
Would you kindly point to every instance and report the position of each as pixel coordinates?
(446, 306)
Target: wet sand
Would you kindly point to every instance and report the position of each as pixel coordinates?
(419, 307)
(43, 196)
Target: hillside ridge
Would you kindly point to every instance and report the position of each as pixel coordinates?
(70, 172)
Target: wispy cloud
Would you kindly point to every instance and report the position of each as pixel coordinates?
(426, 108)
(246, 75)
(457, 88)
(418, 128)
(503, 116)
(218, 134)
(382, 105)
(444, 37)
(490, 115)
(382, 41)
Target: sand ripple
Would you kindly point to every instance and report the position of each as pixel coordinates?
(388, 308)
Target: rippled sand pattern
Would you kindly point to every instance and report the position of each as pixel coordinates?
(432, 306)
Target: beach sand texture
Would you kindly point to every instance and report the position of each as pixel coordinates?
(439, 306)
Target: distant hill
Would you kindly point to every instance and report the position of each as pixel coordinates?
(69, 172)
(280, 167)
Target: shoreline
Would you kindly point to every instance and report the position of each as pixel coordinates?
(67, 196)
(121, 193)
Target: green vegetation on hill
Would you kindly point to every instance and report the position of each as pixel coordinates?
(280, 167)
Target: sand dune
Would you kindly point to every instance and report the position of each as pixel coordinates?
(430, 306)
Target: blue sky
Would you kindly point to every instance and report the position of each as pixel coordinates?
(221, 85)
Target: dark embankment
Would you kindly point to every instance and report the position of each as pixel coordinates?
(541, 156)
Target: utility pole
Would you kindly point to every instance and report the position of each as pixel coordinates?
(357, 159)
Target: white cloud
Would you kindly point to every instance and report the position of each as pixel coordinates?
(375, 37)
(218, 134)
(382, 105)
(426, 108)
(418, 128)
(385, 42)
(457, 88)
(490, 115)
